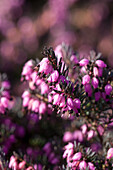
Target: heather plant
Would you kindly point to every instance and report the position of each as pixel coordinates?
(64, 118)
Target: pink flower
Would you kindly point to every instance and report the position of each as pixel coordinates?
(91, 166)
(35, 105)
(77, 156)
(84, 129)
(54, 76)
(26, 101)
(56, 99)
(13, 163)
(29, 168)
(21, 165)
(42, 108)
(69, 146)
(77, 135)
(85, 79)
(90, 134)
(82, 165)
(77, 103)
(44, 88)
(100, 63)
(108, 89)
(70, 103)
(4, 102)
(62, 102)
(83, 62)
(95, 71)
(110, 153)
(100, 130)
(67, 136)
(83, 69)
(95, 82)
(45, 66)
(26, 94)
(74, 59)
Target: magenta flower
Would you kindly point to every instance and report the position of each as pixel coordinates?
(84, 129)
(67, 136)
(77, 103)
(90, 134)
(95, 82)
(88, 88)
(5, 102)
(97, 95)
(91, 166)
(21, 165)
(83, 62)
(83, 69)
(42, 108)
(100, 63)
(82, 165)
(74, 59)
(85, 79)
(95, 71)
(44, 88)
(110, 153)
(13, 163)
(77, 156)
(108, 89)
(70, 103)
(26, 101)
(77, 135)
(35, 105)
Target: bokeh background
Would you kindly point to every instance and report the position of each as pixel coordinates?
(26, 26)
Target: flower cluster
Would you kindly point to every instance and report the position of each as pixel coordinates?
(64, 118)
(6, 101)
(75, 159)
(15, 165)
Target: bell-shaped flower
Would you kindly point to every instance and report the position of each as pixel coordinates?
(95, 82)
(110, 153)
(108, 89)
(82, 165)
(83, 62)
(85, 79)
(100, 63)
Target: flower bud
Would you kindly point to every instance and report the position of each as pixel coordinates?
(90, 134)
(54, 76)
(95, 71)
(42, 108)
(82, 165)
(21, 165)
(77, 103)
(67, 136)
(91, 166)
(95, 82)
(77, 156)
(84, 62)
(100, 63)
(74, 59)
(84, 129)
(110, 153)
(45, 66)
(108, 89)
(85, 79)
